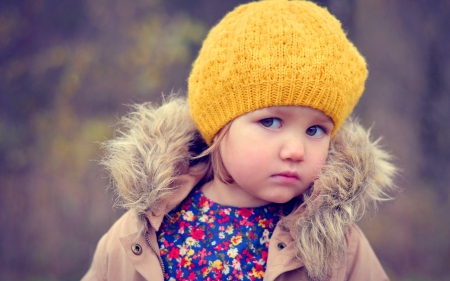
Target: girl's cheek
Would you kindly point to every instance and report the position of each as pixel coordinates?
(321, 163)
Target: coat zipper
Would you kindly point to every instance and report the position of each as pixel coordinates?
(147, 238)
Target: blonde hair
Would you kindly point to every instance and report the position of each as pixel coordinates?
(214, 163)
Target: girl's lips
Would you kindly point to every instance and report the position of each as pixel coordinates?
(286, 177)
(287, 174)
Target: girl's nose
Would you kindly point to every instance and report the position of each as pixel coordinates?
(293, 150)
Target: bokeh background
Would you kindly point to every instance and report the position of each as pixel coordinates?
(70, 68)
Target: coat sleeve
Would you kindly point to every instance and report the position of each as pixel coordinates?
(362, 263)
(111, 261)
(98, 268)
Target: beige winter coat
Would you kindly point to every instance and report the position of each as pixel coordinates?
(319, 240)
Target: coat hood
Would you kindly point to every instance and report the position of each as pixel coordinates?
(155, 145)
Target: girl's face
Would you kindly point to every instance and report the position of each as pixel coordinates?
(273, 154)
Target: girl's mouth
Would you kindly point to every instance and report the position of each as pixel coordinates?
(288, 174)
(286, 177)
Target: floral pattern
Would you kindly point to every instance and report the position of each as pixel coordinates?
(203, 240)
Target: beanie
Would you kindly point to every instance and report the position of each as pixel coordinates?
(274, 53)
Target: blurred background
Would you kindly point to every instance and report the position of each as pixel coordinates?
(70, 68)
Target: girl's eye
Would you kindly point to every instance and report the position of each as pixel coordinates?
(271, 123)
(315, 131)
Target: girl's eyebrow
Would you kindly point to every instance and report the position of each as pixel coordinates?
(324, 119)
(278, 110)
(283, 110)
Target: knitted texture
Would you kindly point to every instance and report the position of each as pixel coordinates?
(274, 53)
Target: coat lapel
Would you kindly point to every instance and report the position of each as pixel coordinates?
(281, 257)
(147, 262)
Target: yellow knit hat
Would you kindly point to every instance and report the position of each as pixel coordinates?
(274, 53)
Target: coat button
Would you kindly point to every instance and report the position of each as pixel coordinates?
(137, 249)
(281, 246)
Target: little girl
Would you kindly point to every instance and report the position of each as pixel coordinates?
(258, 176)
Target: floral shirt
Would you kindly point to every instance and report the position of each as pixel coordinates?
(203, 240)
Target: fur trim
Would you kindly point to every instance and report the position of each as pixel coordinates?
(357, 174)
(149, 153)
(152, 150)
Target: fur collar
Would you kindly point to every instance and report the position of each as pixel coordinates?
(152, 150)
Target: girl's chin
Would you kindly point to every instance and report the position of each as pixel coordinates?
(279, 199)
